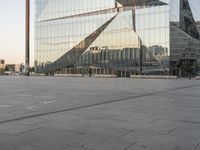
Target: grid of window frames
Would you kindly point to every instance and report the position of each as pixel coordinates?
(102, 37)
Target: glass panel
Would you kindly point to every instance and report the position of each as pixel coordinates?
(63, 8)
(94, 34)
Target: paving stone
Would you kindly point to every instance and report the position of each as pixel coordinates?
(47, 113)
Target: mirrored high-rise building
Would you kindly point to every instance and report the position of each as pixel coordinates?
(122, 37)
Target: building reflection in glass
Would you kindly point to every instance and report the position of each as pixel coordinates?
(120, 37)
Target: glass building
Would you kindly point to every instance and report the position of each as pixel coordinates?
(117, 37)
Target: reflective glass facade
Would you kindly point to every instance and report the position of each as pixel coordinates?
(121, 37)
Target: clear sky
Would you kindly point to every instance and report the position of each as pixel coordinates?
(12, 30)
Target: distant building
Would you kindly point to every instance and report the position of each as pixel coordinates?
(13, 67)
(2, 64)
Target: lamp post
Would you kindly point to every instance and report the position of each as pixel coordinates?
(27, 38)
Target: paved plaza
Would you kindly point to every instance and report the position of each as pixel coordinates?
(58, 113)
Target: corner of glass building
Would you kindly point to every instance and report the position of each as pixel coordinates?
(184, 37)
(116, 37)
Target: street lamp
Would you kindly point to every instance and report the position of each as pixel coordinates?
(27, 38)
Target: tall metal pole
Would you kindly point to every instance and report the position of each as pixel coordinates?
(27, 38)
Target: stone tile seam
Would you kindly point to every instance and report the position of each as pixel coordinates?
(96, 104)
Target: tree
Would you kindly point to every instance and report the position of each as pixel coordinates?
(2, 70)
(6, 68)
(31, 69)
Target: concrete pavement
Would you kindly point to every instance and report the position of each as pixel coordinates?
(55, 113)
